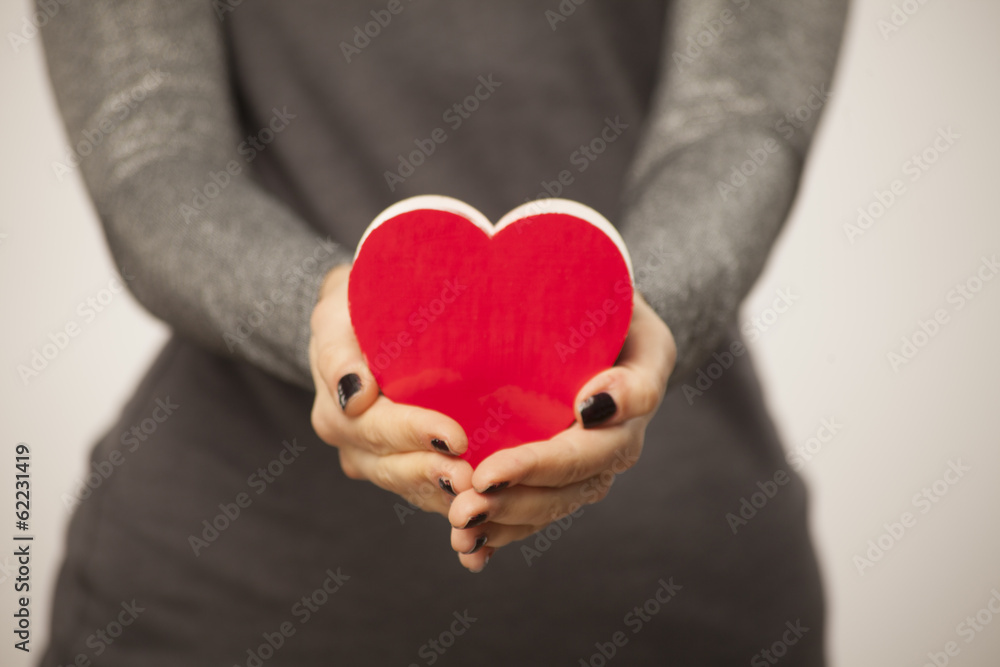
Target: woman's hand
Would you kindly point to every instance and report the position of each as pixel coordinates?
(517, 492)
(404, 449)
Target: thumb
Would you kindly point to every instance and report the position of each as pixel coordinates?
(334, 354)
(634, 386)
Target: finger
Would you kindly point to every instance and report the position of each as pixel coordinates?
(388, 428)
(339, 365)
(477, 561)
(528, 505)
(346, 389)
(468, 542)
(572, 456)
(634, 386)
(427, 480)
(328, 417)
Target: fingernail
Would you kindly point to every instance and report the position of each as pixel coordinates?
(440, 445)
(489, 554)
(497, 487)
(486, 561)
(446, 486)
(480, 543)
(476, 521)
(597, 408)
(348, 386)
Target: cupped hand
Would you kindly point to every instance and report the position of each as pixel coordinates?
(519, 491)
(404, 449)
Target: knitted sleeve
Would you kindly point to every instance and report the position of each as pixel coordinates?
(741, 88)
(144, 92)
(145, 96)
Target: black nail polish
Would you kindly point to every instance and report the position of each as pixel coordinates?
(597, 408)
(440, 445)
(480, 543)
(497, 487)
(348, 386)
(446, 486)
(477, 520)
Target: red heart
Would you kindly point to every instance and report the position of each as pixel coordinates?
(496, 327)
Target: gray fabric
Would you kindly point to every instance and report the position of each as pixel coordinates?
(705, 246)
(695, 255)
(547, 601)
(207, 273)
(202, 273)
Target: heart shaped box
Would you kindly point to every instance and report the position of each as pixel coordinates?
(496, 327)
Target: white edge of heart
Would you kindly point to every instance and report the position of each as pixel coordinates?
(470, 213)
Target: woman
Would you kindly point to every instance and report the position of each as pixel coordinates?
(245, 146)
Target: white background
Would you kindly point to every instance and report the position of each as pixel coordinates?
(826, 357)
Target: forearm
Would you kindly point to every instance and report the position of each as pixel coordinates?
(720, 162)
(144, 87)
(695, 254)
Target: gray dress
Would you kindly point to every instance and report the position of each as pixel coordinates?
(244, 147)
